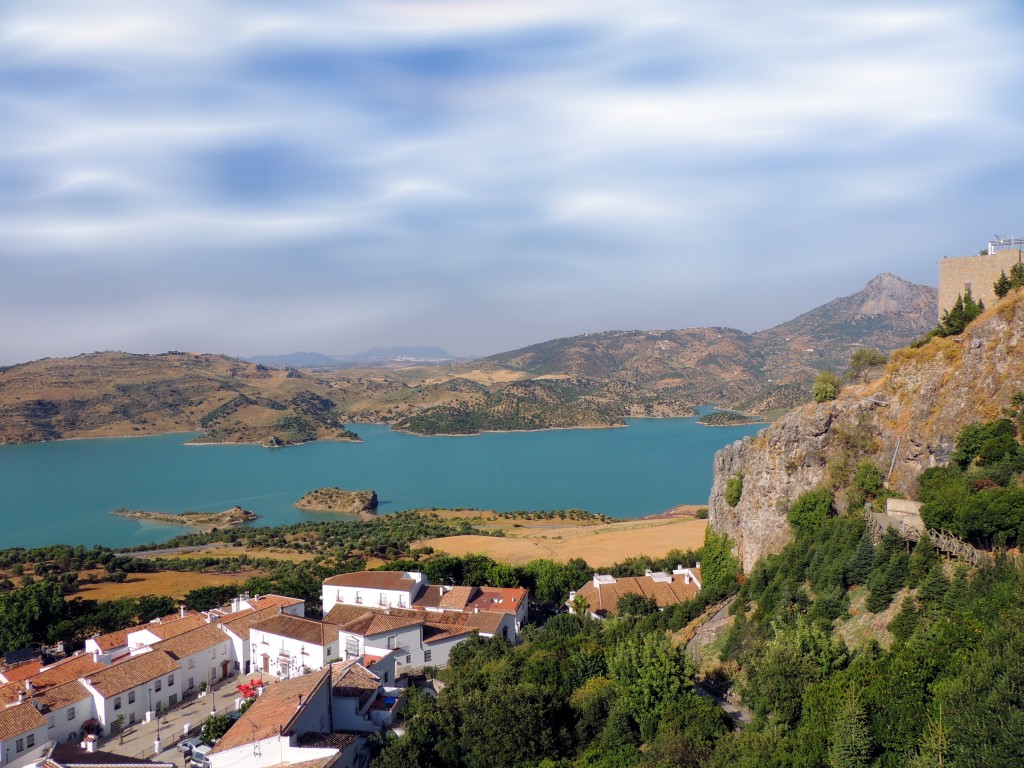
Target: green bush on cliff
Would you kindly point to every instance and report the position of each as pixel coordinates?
(734, 489)
(826, 387)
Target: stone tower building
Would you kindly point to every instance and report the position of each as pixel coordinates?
(977, 273)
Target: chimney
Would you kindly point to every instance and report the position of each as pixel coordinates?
(697, 565)
(182, 612)
(300, 701)
(647, 571)
(686, 578)
(21, 697)
(96, 657)
(28, 686)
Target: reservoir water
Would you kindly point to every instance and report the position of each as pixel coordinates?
(63, 492)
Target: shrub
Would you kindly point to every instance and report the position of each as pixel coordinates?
(734, 489)
(811, 509)
(826, 387)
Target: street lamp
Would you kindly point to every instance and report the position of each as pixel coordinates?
(213, 697)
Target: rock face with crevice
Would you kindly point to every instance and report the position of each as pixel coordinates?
(908, 419)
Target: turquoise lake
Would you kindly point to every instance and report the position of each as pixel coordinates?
(63, 492)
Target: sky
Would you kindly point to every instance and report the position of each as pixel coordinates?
(254, 177)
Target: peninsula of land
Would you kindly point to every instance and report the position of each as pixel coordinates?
(204, 521)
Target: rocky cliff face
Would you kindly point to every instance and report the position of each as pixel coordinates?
(908, 419)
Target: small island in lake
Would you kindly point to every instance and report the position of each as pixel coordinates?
(728, 419)
(362, 503)
(201, 520)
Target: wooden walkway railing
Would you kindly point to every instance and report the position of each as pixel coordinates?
(944, 541)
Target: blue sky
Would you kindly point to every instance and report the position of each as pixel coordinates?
(264, 177)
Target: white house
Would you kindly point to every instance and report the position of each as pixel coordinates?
(513, 601)
(204, 655)
(142, 637)
(237, 628)
(604, 591)
(23, 738)
(417, 639)
(377, 589)
(289, 724)
(135, 687)
(360, 701)
(287, 646)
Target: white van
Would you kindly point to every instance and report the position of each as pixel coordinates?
(200, 756)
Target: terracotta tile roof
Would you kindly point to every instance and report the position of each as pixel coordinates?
(134, 671)
(69, 755)
(240, 622)
(61, 672)
(274, 601)
(435, 633)
(500, 599)
(19, 719)
(21, 671)
(456, 598)
(378, 622)
(64, 695)
(343, 614)
(112, 640)
(393, 580)
(303, 630)
(605, 599)
(273, 712)
(352, 680)
(320, 762)
(335, 740)
(430, 597)
(167, 629)
(206, 636)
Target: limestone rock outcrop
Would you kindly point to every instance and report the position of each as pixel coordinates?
(907, 420)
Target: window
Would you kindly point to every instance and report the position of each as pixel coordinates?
(359, 598)
(117, 703)
(131, 697)
(427, 655)
(192, 661)
(170, 679)
(172, 700)
(131, 718)
(351, 647)
(19, 745)
(383, 599)
(385, 677)
(30, 740)
(408, 659)
(159, 685)
(401, 601)
(392, 641)
(71, 713)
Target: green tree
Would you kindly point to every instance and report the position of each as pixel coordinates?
(1002, 285)
(811, 509)
(636, 605)
(718, 564)
(865, 359)
(850, 742)
(734, 489)
(649, 673)
(826, 387)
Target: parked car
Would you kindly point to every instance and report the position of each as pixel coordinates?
(186, 746)
(200, 756)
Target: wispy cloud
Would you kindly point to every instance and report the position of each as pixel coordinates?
(482, 176)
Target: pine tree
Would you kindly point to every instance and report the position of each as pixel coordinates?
(1002, 285)
(934, 746)
(933, 585)
(858, 567)
(1017, 275)
(922, 560)
(850, 740)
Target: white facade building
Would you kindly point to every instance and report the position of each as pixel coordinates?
(287, 646)
(373, 589)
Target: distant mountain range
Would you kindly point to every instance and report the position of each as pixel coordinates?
(376, 357)
(596, 379)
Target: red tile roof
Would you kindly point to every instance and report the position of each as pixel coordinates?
(191, 643)
(19, 719)
(499, 599)
(273, 712)
(112, 640)
(21, 671)
(604, 599)
(303, 630)
(133, 671)
(391, 580)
